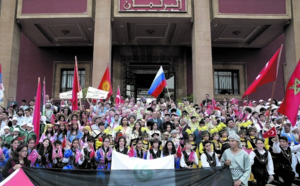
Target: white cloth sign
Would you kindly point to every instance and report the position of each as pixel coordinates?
(124, 162)
(68, 95)
(95, 93)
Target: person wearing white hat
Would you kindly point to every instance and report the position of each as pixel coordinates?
(16, 133)
(30, 133)
(23, 127)
(14, 124)
(6, 137)
(4, 121)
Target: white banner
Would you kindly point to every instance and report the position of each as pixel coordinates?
(124, 162)
(68, 95)
(95, 93)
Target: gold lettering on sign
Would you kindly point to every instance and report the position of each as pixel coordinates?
(127, 5)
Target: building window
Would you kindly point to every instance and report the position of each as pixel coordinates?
(227, 82)
(67, 79)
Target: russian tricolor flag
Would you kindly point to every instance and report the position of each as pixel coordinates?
(158, 83)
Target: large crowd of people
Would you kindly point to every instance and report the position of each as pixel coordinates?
(203, 135)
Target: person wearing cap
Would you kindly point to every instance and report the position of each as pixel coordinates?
(283, 168)
(14, 124)
(23, 128)
(6, 137)
(42, 124)
(30, 133)
(4, 121)
(238, 161)
(16, 134)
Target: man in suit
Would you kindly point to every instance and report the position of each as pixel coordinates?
(157, 120)
(206, 100)
(11, 102)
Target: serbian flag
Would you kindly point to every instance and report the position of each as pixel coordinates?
(270, 133)
(1, 85)
(76, 87)
(105, 83)
(267, 74)
(290, 104)
(158, 83)
(118, 97)
(36, 115)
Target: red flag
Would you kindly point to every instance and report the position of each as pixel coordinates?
(290, 104)
(245, 103)
(118, 97)
(92, 153)
(105, 83)
(178, 152)
(270, 133)
(267, 74)
(37, 116)
(131, 152)
(52, 119)
(64, 143)
(76, 87)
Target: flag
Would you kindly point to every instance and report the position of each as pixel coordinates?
(178, 153)
(270, 133)
(76, 87)
(64, 143)
(1, 85)
(77, 156)
(267, 74)
(52, 119)
(37, 116)
(158, 83)
(290, 104)
(44, 95)
(105, 83)
(33, 156)
(118, 97)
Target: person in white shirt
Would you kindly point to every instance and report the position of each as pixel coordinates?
(209, 158)
(189, 158)
(28, 117)
(262, 164)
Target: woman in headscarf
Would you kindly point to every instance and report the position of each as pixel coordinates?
(238, 160)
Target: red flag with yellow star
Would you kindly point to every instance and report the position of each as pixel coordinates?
(291, 102)
(105, 83)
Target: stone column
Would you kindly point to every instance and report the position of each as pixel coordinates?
(201, 51)
(292, 40)
(102, 40)
(9, 48)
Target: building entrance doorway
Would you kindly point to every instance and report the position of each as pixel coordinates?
(139, 77)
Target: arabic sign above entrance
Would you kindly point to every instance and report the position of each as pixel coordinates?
(153, 6)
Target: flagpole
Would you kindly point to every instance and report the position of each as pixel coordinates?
(274, 85)
(168, 93)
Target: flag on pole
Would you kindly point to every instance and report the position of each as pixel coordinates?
(105, 83)
(44, 96)
(37, 116)
(267, 74)
(76, 87)
(118, 97)
(270, 133)
(291, 102)
(158, 84)
(1, 85)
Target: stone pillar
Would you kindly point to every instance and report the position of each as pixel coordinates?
(201, 51)
(9, 48)
(102, 40)
(292, 41)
